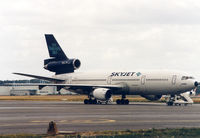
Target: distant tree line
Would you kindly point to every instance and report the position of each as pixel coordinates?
(2, 82)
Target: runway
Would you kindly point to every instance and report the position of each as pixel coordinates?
(33, 116)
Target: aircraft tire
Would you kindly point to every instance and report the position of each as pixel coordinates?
(86, 101)
(90, 101)
(126, 101)
(123, 101)
(118, 101)
(94, 101)
(170, 103)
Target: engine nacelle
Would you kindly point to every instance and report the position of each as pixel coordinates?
(102, 94)
(152, 97)
(64, 66)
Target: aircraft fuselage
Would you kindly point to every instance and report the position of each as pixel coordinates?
(136, 83)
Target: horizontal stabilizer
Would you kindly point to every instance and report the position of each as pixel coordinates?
(40, 77)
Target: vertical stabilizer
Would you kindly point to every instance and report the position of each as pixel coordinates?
(54, 48)
(58, 61)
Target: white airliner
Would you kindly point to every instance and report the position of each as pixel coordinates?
(101, 86)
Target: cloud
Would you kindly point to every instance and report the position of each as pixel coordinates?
(104, 35)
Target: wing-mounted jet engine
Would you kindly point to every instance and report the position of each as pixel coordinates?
(58, 61)
(100, 95)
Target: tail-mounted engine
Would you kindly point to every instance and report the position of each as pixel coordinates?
(58, 61)
(63, 66)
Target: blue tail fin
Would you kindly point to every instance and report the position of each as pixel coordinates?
(58, 61)
(54, 48)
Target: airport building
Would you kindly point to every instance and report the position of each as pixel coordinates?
(16, 89)
(29, 90)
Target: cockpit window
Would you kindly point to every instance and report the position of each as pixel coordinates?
(187, 77)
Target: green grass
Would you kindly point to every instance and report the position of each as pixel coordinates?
(152, 133)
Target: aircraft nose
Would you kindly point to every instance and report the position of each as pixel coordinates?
(196, 83)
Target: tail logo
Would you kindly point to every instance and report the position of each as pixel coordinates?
(54, 49)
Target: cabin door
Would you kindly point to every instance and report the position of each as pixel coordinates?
(174, 79)
(143, 81)
(109, 80)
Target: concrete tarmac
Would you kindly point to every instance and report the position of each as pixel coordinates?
(32, 117)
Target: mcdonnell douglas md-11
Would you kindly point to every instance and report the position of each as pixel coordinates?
(101, 86)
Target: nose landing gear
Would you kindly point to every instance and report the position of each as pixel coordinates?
(181, 99)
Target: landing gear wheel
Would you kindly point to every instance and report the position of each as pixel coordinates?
(170, 103)
(118, 101)
(122, 101)
(86, 101)
(94, 101)
(126, 101)
(90, 101)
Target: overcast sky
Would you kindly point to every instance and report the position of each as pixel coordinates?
(111, 35)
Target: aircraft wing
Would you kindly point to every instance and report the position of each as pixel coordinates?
(64, 85)
(73, 87)
(40, 77)
(59, 84)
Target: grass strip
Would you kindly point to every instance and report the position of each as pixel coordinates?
(153, 133)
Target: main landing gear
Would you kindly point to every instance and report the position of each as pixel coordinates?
(90, 101)
(95, 101)
(123, 100)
